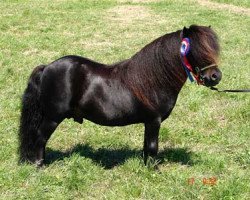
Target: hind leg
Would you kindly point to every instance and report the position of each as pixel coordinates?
(45, 130)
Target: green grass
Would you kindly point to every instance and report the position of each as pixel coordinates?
(206, 136)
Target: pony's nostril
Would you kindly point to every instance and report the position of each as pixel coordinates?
(214, 77)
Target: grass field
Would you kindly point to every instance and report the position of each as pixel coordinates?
(205, 143)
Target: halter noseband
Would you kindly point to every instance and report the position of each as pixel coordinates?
(185, 48)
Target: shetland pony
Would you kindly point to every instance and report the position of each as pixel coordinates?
(142, 89)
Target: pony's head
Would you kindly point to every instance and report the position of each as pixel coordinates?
(202, 54)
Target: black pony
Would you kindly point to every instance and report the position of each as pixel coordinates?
(142, 89)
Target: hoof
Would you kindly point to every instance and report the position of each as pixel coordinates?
(39, 163)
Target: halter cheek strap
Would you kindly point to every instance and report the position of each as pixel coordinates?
(207, 67)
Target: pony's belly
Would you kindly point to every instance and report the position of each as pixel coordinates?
(112, 117)
(114, 122)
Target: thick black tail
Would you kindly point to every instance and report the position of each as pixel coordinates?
(31, 116)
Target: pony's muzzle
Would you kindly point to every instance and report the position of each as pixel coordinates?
(211, 77)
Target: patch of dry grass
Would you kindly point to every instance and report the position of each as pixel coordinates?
(127, 14)
(223, 6)
(137, 1)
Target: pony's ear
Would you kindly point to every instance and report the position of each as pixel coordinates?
(185, 31)
(209, 26)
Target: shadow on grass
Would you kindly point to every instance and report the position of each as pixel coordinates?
(176, 155)
(109, 158)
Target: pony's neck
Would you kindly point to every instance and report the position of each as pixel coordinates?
(154, 69)
(160, 61)
(174, 71)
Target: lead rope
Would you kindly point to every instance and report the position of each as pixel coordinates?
(236, 90)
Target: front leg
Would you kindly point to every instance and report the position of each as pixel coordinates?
(151, 138)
